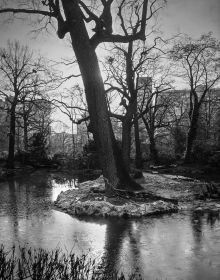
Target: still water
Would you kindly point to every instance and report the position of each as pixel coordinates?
(177, 246)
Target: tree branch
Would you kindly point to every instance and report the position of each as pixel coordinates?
(27, 11)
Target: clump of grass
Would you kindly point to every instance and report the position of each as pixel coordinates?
(39, 264)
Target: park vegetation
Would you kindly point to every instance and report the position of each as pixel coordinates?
(133, 115)
(52, 265)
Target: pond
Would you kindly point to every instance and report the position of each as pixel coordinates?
(177, 246)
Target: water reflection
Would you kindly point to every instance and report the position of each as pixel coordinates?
(212, 218)
(173, 246)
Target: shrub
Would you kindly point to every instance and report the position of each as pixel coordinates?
(166, 159)
(90, 158)
(201, 153)
(214, 160)
(3, 155)
(23, 156)
(50, 265)
(37, 147)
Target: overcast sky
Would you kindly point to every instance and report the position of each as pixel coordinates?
(192, 17)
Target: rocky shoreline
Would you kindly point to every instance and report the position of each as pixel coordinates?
(162, 194)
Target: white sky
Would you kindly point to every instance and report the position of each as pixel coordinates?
(193, 17)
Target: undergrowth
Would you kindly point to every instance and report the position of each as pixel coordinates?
(39, 264)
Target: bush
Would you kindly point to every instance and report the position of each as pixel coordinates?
(3, 155)
(90, 157)
(214, 160)
(179, 140)
(201, 153)
(50, 265)
(23, 156)
(37, 147)
(166, 159)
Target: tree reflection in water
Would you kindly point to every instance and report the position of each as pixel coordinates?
(180, 245)
(13, 207)
(212, 218)
(121, 247)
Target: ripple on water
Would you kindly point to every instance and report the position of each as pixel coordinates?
(176, 246)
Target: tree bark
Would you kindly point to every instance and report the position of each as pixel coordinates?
(25, 133)
(11, 147)
(138, 156)
(192, 133)
(153, 149)
(114, 171)
(151, 131)
(126, 143)
(73, 141)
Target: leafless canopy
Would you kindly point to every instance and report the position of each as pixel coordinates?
(107, 20)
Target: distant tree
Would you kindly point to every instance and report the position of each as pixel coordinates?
(40, 121)
(178, 115)
(3, 126)
(217, 123)
(125, 68)
(208, 116)
(18, 72)
(155, 118)
(25, 79)
(154, 99)
(38, 147)
(33, 115)
(197, 62)
(72, 104)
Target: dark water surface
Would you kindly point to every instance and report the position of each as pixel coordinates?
(177, 246)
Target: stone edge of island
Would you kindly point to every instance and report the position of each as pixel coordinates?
(75, 202)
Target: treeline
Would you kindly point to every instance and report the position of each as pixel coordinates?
(151, 119)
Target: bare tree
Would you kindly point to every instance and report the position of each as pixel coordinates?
(155, 119)
(74, 17)
(177, 113)
(3, 126)
(20, 75)
(122, 78)
(72, 104)
(154, 101)
(197, 62)
(139, 77)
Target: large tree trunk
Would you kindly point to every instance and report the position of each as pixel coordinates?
(113, 168)
(153, 149)
(192, 133)
(18, 138)
(138, 156)
(25, 133)
(126, 143)
(126, 135)
(11, 147)
(73, 141)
